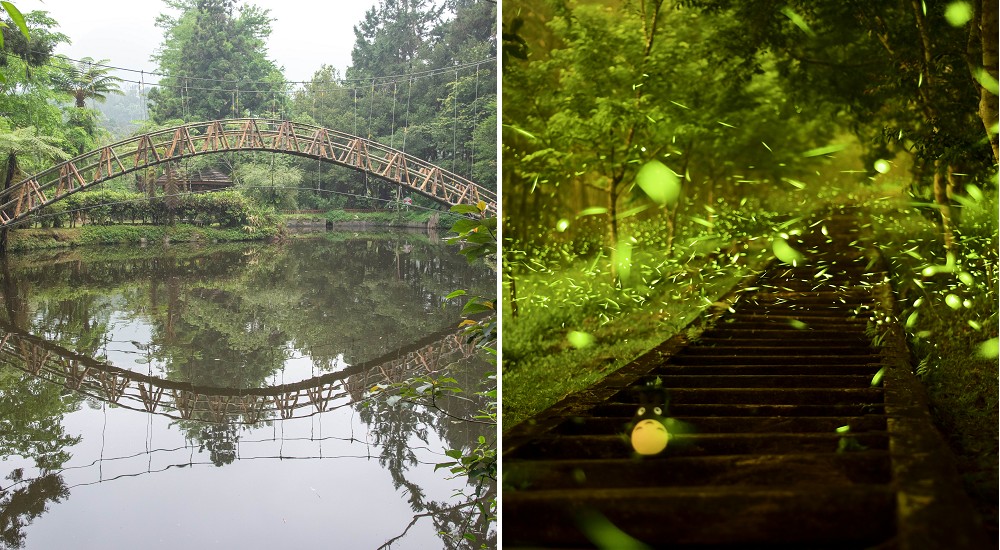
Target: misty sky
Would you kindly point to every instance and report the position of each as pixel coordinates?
(306, 33)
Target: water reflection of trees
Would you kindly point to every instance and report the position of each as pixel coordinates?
(314, 290)
(31, 413)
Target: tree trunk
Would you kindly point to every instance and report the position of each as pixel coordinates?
(8, 178)
(512, 281)
(613, 225)
(987, 99)
(943, 204)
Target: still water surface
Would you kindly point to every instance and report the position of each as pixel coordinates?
(221, 396)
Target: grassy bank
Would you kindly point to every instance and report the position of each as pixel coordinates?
(91, 234)
(402, 218)
(948, 307)
(36, 239)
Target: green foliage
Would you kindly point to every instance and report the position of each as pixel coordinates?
(227, 209)
(209, 41)
(274, 184)
(668, 100)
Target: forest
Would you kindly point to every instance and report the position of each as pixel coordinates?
(434, 98)
(656, 151)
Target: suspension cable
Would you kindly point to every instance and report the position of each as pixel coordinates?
(406, 118)
(454, 136)
(475, 120)
(392, 127)
(371, 108)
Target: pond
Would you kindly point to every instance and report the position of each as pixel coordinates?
(236, 395)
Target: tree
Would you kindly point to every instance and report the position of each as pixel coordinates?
(393, 37)
(85, 79)
(215, 64)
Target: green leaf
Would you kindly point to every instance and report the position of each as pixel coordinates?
(593, 210)
(464, 226)
(659, 183)
(464, 209)
(473, 307)
(990, 349)
(877, 379)
(17, 18)
(455, 294)
(784, 252)
(825, 150)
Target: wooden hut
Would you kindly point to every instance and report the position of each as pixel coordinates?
(198, 181)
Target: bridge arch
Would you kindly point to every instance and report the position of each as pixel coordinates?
(35, 192)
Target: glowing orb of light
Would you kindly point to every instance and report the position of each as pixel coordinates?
(649, 437)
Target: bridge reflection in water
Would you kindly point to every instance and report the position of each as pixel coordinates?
(186, 401)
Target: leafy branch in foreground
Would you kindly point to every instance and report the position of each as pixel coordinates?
(475, 232)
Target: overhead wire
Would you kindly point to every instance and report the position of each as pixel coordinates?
(360, 80)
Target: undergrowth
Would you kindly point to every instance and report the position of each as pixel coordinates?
(576, 322)
(948, 306)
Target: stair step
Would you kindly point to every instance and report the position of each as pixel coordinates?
(684, 358)
(784, 381)
(617, 446)
(765, 396)
(792, 347)
(667, 371)
(810, 516)
(746, 409)
(604, 425)
(746, 471)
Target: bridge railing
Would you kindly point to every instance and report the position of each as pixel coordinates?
(246, 134)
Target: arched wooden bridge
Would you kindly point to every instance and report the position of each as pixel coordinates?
(185, 401)
(32, 194)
